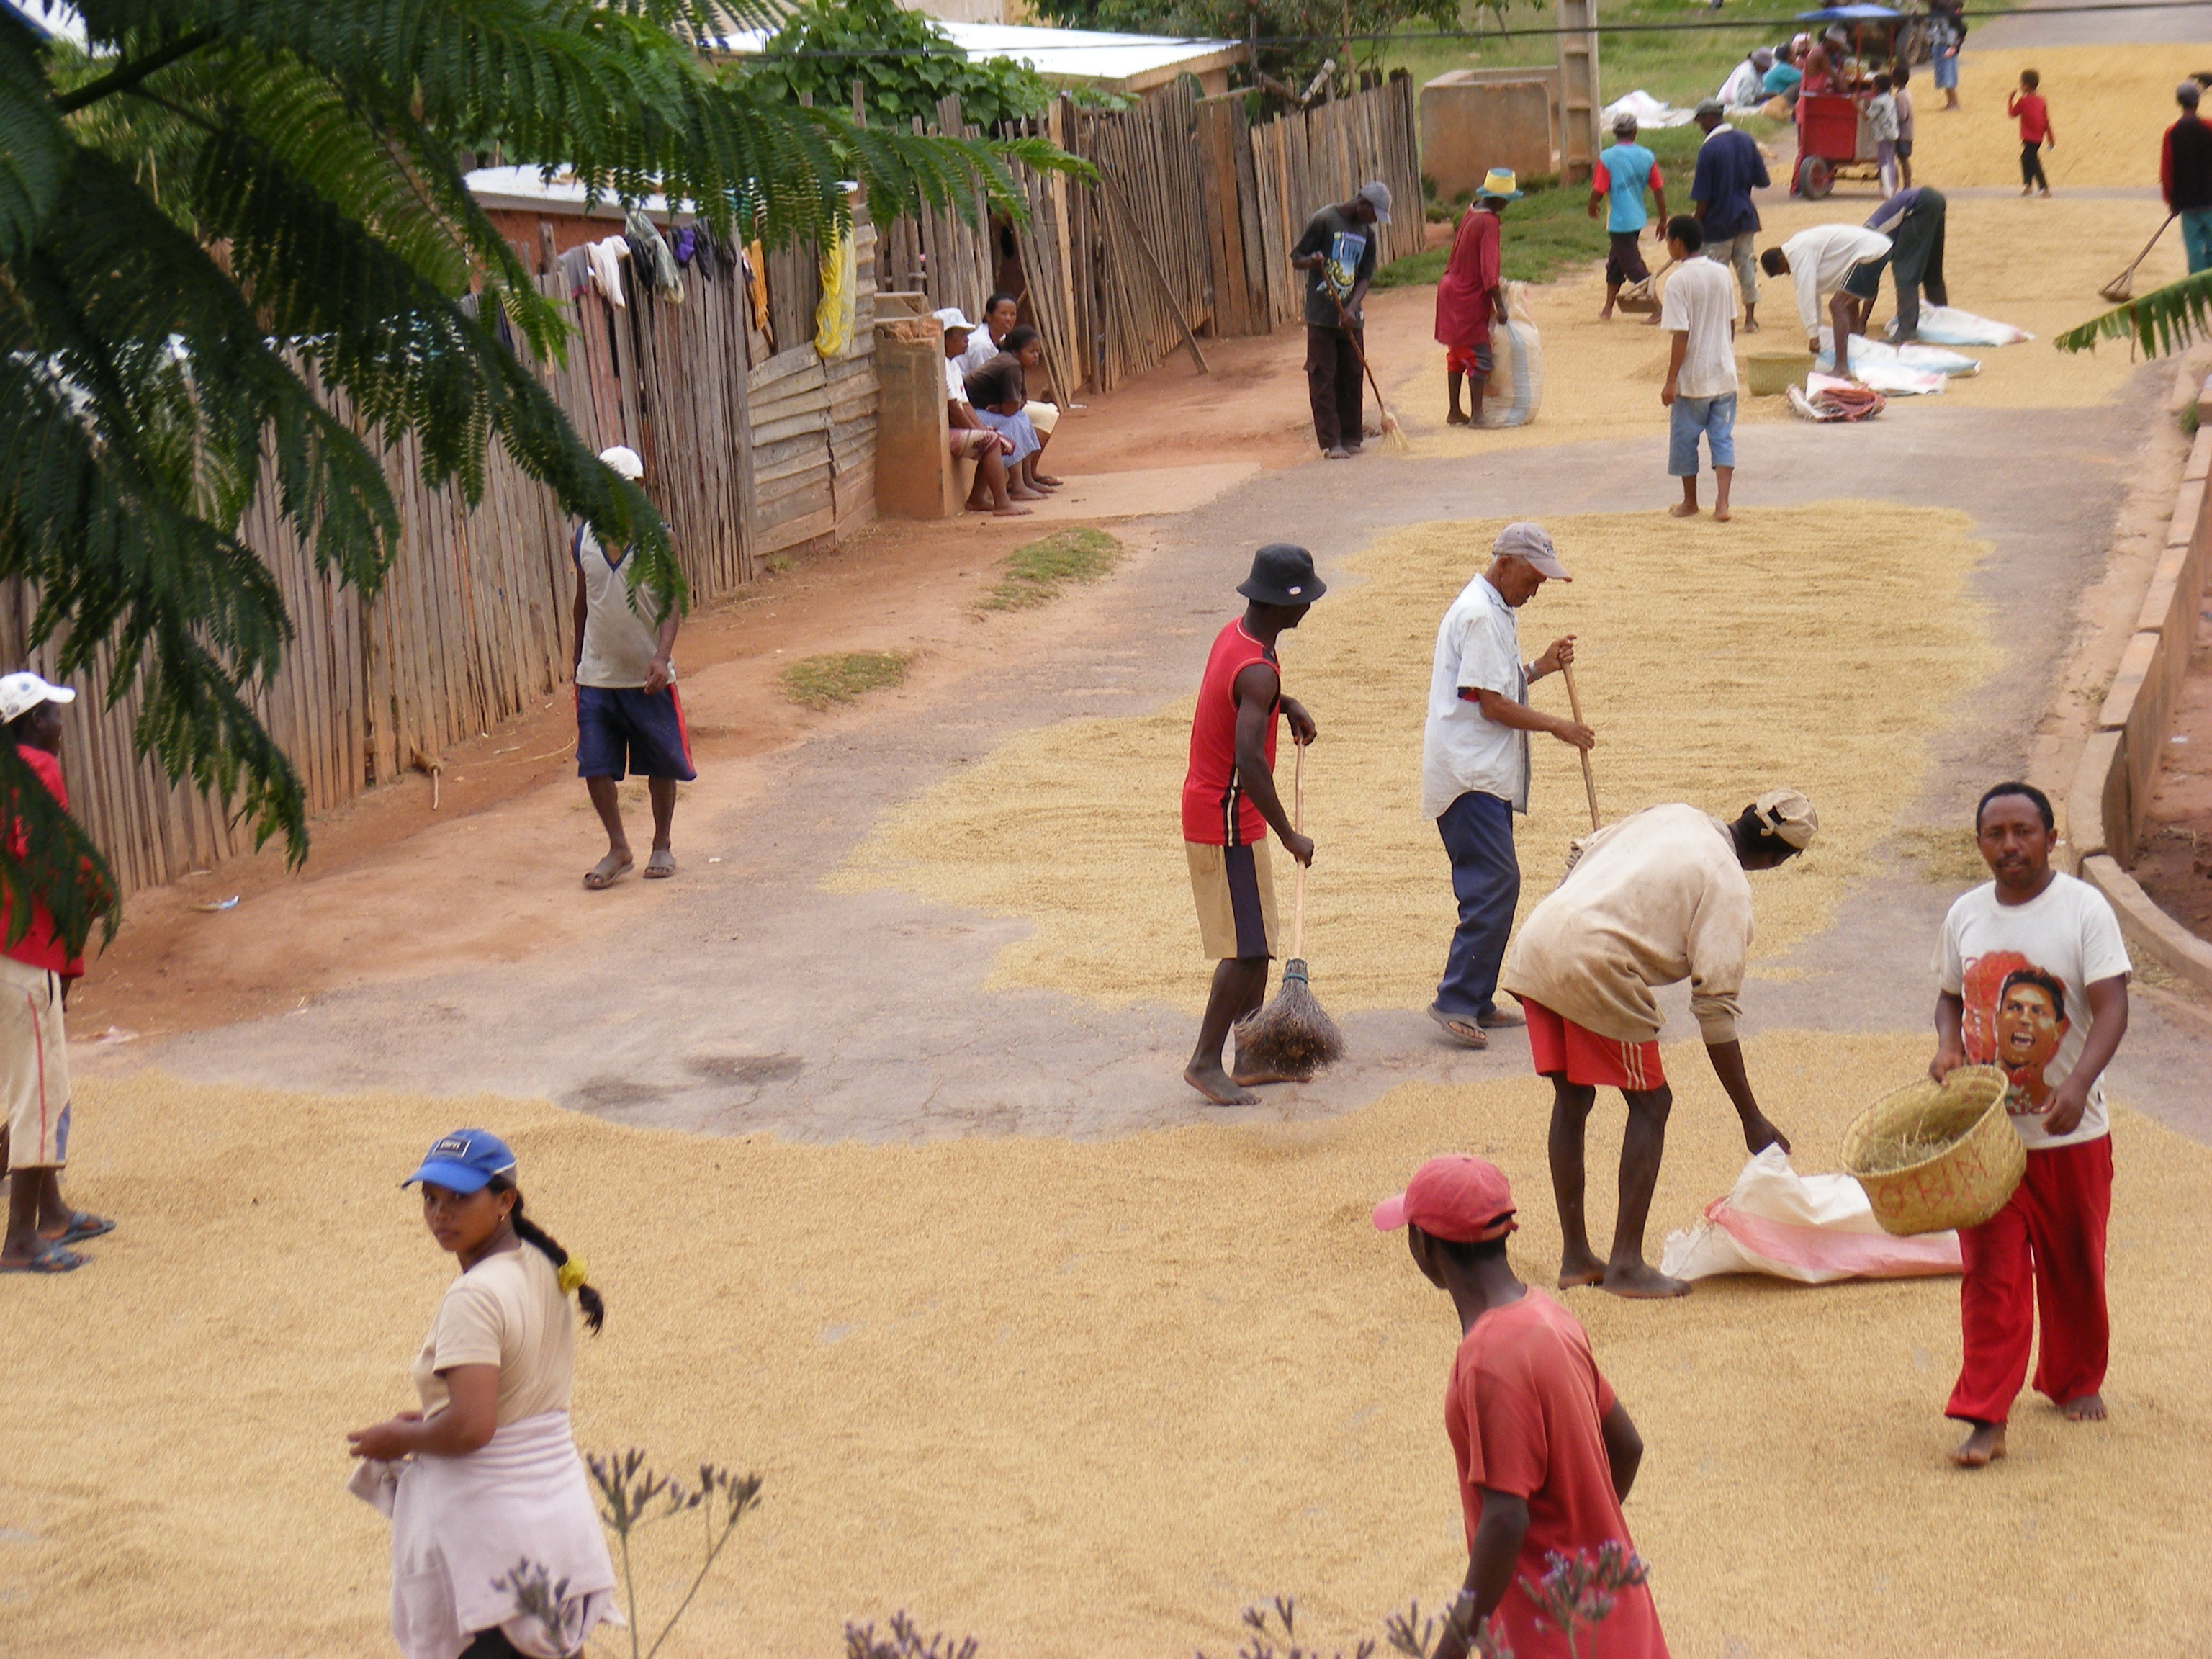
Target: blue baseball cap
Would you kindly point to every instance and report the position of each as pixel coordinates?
(464, 1161)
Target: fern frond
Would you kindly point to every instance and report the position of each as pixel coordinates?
(2164, 320)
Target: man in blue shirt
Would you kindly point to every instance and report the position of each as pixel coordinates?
(1730, 167)
(1621, 175)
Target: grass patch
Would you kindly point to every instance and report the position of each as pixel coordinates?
(820, 682)
(1550, 230)
(1036, 572)
(1946, 857)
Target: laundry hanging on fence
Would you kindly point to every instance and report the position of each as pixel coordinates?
(651, 257)
(606, 256)
(575, 268)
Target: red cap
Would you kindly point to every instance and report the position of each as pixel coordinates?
(1462, 1200)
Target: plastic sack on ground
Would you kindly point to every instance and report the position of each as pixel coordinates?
(1647, 111)
(1941, 326)
(1892, 378)
(1516, 386)
(1934, 360)
(1814, 1229)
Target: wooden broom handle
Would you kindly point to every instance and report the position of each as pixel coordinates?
(1574, 703)
(1299, 824)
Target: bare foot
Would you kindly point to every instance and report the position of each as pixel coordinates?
(1458, 417)
(1580, 1269)
(1250, 1076)
(1339, 453)
(1605, 313)
(1721, 514)
(1215, 1084)
(1982, 1448)
(1048, 481)
(1750, 326)
(608, 871)
(1643, 1282)
(1682, 510)
(1025, 494)
(2089, 1408)
(1009, 511)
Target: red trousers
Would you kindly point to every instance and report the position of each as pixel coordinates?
(2041, 1258)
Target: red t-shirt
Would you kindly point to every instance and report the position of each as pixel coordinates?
(39, 947)
(2034, 116)
(1523, 1412)
(1463, 316)
(1216, 811)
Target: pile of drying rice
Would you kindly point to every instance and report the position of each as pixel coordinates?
(2109, 105)
(1078, 1399)
(1824, 660)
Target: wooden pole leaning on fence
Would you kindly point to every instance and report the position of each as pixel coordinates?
(1175, 305)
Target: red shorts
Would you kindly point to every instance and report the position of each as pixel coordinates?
(1557, 1046)
(1468, 359)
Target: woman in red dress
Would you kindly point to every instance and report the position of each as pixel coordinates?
(1470, 297)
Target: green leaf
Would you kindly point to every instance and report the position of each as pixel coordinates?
(2165, 319)
(34, 149)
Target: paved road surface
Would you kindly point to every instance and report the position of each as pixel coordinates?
(2034, 25)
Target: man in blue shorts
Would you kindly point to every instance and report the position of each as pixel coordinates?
(628, 717)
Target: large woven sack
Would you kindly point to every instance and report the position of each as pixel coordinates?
(1932, 1156)
(1515, 385)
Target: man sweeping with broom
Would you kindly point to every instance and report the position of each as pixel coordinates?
(1229, 803)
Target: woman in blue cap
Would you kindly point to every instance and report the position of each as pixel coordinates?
(485, 1478)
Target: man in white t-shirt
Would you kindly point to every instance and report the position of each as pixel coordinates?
(1475, 767)
(1699, 311)
(1842, 263)
(2035, 979)
(629, 718)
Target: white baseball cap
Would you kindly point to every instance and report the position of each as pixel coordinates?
(20, 693)
(624, 460)
(951, 318)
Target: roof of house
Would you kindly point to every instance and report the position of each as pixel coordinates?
(1118, 63)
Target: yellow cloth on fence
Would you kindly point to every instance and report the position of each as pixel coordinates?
(833, 315)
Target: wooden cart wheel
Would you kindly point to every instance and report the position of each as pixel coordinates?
(1817, 179)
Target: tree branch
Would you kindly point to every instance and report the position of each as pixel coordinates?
(129, 74)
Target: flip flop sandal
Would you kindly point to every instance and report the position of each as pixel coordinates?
(660, 865)
(1465, 1032)
(51, 1260)
(82, 1227)
(597, 883)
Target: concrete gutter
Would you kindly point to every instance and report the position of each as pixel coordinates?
(2109, 800)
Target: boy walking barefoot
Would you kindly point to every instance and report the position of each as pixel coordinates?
(1546, 1455)
(1699, 311)
(1229, 803)
(2035, 979)
(2034, 116)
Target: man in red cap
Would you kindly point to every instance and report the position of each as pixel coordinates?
(1545, 1454)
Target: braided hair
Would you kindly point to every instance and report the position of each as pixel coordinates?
(593, 1304)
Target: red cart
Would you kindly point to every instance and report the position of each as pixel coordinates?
(1831, 136)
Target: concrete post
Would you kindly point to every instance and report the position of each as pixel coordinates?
(1579, 103)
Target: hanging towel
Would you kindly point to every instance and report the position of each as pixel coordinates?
(460, 1523)
(834, 312)
(659, 263)
(607, 255)
(757, 279)
(576, 265)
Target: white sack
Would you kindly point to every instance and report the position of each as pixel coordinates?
(1941, 326)
(1515, 385)
(1814, 1229)
(1933, 360)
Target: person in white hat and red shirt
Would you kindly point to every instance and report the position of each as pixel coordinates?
(1545, 1452)
(35, 974)
(629, 717)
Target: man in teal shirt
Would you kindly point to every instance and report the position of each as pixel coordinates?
(1621, 175)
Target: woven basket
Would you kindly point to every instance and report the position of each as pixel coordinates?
(1770, 374)
(1932, 1156)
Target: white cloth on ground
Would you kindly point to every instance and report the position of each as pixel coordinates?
(1894, 379)
(1700, 301)
(458, 1524)
(1463, 750)
(1648, 111)
(1653, 900)
(1932, 360)
(1816, 1229)
(1821, 256)
(1944, 326)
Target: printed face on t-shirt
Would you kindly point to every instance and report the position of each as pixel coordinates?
(2016, 1018)
(1346, 250)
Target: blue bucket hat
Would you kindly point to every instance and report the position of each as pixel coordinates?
(464, 1161)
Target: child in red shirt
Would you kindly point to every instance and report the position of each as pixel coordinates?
(2034, 131)
(1545, 1453)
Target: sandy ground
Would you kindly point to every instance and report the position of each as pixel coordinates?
(1078, 1399)
(1823, 661)
(1010, 1356)
(2109, 105)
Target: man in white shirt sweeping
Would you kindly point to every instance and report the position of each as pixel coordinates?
(1475, 767)
(1842, 263)
(1698, 309)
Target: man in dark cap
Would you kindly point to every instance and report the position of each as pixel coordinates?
(1229, 803)
(1730, 167)
(2185, 176)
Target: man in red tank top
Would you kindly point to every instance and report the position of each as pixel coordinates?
(1229, 803)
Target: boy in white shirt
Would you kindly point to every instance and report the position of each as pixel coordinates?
(1881, 127)
(1698, 310)
(2034, 978)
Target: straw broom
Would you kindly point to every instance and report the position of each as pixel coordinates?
(1392, 434)
(1293, 1038)
(2122, 287)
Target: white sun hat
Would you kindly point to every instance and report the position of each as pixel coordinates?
(20, 693)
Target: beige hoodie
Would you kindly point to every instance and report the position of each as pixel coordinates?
(1654, 899)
